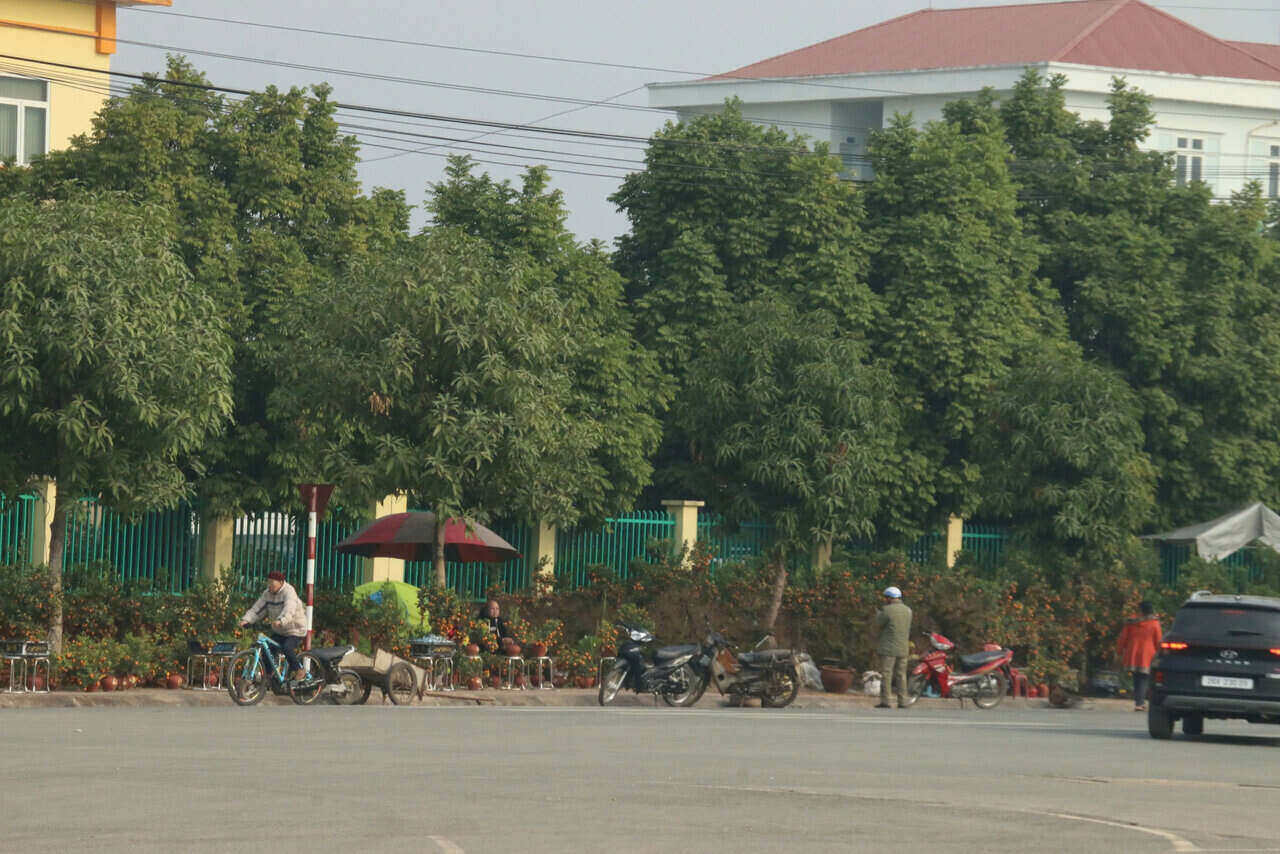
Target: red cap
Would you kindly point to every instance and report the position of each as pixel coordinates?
(275, 575)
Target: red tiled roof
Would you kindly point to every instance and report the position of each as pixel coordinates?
(1266, 52)
(1122, 34)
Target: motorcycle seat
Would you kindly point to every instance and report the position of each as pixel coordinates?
(764, 656)
(974, 660)
(330, 654)
(667, 653)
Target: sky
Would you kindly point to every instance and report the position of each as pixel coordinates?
(457, 63)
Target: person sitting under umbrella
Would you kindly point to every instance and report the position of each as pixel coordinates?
(498, 627)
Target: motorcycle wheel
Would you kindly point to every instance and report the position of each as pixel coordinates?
(611, 683)
(991, 691)
(245, 691)
(697, 684)
(916, 683)
(309, 691)
(349, 689)
(782, 689)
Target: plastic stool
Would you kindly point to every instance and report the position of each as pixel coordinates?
(544, 671)
(509, 667)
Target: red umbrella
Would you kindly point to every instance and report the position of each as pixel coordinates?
(412, 536)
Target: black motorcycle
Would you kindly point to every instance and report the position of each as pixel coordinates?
(669, 672)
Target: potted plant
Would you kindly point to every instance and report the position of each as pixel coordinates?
(544, 636)
(469, 670)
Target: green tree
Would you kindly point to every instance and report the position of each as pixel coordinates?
(955, 274)
(1175, 293)
(264, 200)
(795, 425)
(444, 371)
(616, 381)
(726, 212)
(113, 367)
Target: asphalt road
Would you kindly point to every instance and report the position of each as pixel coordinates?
(383, 778)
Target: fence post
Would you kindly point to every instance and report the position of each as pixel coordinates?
(542, 557)
(46, 492)
(219, 534)
(385, 568)
(685, 512)
(955, 538)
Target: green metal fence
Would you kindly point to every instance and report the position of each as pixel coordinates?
(17, 529)
(733, 543)
(277, 541)
(1244, 563)
(985, 542)
(472, 580)
(159, 546)
(614, 545)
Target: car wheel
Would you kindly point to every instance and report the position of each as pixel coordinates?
(1193, 725)
(1159, 722)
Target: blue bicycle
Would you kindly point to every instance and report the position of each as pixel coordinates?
(261, 668)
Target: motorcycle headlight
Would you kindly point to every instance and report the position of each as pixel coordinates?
(641, 636)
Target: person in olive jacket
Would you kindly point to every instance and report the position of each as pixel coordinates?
(893, 645)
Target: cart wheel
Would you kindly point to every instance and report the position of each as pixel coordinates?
(363, 696)
(401, 684)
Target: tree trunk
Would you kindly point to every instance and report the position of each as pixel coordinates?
(438, 558)
(57, 536)
(779, 585)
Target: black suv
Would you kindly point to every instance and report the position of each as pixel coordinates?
(1221, 659)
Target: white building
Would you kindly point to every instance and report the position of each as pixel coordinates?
(1217, 103)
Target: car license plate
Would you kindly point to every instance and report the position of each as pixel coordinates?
(1226, 682)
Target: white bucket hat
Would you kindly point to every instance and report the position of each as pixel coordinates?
(892, 593)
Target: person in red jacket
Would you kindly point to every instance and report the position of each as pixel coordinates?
(1138, 643)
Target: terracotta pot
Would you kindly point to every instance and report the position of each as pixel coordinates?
(513, 650)
(537, 650)
(836, 680)
(175, 680)
(475, 683)
(90, 687)
(495, 681)
(473, 649)
(109, 683)
(211, 679)
(36, 682)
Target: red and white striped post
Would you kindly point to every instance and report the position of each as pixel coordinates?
(316, 497)
(311, 563)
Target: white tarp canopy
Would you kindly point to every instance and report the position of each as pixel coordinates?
(1226, 534)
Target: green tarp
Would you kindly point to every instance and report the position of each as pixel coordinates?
(406, 593)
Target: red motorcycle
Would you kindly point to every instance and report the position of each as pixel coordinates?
(981, 678)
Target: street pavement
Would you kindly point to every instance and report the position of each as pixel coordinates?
(466, 778)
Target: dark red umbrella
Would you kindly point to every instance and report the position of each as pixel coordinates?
(412, 536)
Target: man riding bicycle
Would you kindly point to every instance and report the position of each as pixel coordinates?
(287, 615)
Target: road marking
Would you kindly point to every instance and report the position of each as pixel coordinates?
(446, 846)
(747, 714)
(1178, 843)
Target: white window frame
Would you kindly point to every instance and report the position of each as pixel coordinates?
(23, 159)
(1188, 164)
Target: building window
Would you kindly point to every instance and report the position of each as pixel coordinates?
(1189, 161)
(24, 119)
(1273, 173)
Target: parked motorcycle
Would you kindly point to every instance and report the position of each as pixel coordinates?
(981, 676)
(668, 672)
(770, 674)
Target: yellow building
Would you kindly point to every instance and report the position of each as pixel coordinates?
(43, 106)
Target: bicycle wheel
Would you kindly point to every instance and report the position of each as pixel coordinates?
(401, 684)
(307, 692)
(246, 678)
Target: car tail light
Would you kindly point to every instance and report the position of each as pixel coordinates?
(1173, 646)
(1275, 650)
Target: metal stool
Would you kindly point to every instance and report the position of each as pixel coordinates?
(34, 654)
(12, 655)
(509, 667)
(205, 660)
(441, 671)
(544, 671)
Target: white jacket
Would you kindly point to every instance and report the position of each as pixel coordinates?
(283, 608)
